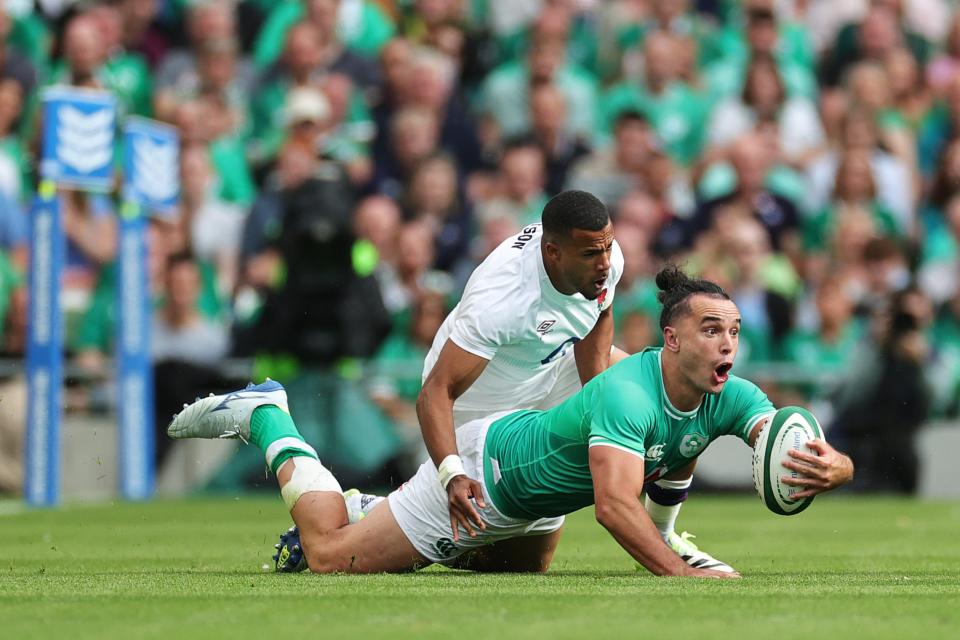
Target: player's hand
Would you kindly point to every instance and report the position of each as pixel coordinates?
(462, 512)
(826, 470)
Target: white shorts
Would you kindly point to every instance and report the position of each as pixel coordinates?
(420, 505)
(564, 384)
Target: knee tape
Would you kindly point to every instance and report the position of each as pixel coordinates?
(668, 492)
(308, 475)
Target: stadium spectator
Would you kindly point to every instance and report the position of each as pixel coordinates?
(939, 274)
(216, 77)
(880, 412)
(395, 379)
(945, 374)
(764, 98)
(433, 197)
(324, 309)
(214, 226)
(505, 93)
(830, 345)
(636, 291)
(365, 25)
(300, 66)
(893, 178)
(763, 35)
(426, 78)
(179, 331)
(762, 282)
(14, 64)
(855, 190)
(870, 89)
(142, 33)
(92, 340)
(945, 65)
(751, 163)
(522, 177)
(873, 38)
(912, 99)
(561, 149)
(94, 58)
(611, 172)
(193, 120)
(14, 160)
(210, 21)
(675, 111)
(415, 256)
(90, 226)
(414, 135)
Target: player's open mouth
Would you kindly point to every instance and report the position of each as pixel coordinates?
(722, 373)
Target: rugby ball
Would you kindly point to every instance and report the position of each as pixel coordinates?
(791, 428)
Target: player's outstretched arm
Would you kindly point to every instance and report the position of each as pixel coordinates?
(593, 352)
(617, 485)
(824, 470)
(455, 370)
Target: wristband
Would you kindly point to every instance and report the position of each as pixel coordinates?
(451, 467)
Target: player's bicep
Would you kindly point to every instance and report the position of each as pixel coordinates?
(455, 371)
(617, 472)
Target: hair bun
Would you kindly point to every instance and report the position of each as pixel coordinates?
(671, 277)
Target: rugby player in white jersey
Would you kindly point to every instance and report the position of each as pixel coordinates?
(534, 324)
(645, 418)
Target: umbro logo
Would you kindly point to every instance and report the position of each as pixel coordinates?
(545, 326)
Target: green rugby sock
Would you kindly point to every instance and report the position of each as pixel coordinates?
(273, 430)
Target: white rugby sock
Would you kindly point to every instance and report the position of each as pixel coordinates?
(665, 516)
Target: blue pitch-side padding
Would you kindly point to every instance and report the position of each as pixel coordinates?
(78, 134)
(44, 352)
(151, 165)
(134, 367)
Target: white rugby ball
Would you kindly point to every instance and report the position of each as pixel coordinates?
(790, 428)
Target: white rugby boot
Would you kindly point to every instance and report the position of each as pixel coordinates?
(227, 415)
(692, 555)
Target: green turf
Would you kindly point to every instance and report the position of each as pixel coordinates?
(846, 568)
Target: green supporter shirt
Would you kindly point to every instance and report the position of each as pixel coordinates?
(536, 463)
(365, 32)
(125, 75)
(678, 114)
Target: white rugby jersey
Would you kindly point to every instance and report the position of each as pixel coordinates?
(511, 314)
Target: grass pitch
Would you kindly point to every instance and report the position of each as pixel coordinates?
(847, 567)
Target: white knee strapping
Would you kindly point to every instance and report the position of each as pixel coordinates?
(277, 446)
(308, 475)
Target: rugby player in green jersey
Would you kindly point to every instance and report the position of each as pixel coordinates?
(642, 421)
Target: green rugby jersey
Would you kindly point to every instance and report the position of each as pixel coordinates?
(536, 462)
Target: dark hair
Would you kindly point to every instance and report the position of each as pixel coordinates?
(569, 210)
(676, 287)
(757, 63)
(180, 257)
(630, 116)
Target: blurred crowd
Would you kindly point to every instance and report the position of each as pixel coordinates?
(347, 163)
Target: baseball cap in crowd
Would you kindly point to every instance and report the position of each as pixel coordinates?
(305, 105)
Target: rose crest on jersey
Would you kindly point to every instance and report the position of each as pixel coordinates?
(601, 298)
